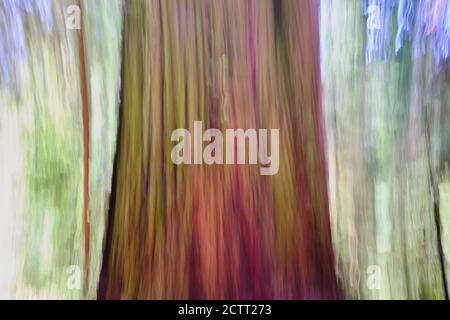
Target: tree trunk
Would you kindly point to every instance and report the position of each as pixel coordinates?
(219, 231)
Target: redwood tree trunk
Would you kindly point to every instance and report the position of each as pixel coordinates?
(219, 231)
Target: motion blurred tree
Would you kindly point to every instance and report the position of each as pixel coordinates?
(219, 231)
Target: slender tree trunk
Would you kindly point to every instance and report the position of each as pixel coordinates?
(85, 116)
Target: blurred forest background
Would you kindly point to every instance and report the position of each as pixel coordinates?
(359, 90)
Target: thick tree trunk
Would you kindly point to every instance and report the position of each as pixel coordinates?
(220, 231)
